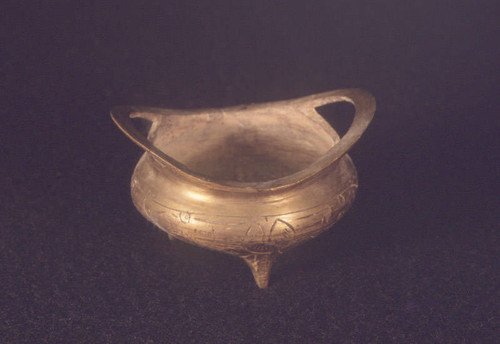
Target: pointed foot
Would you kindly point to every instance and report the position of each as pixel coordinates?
(260, 264)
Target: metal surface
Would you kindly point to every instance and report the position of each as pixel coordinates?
(251, 180)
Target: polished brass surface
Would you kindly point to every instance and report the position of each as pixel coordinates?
(251, 180)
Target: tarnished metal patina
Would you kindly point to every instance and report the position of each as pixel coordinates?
(251, 180)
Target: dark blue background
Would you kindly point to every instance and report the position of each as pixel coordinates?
(414, 261)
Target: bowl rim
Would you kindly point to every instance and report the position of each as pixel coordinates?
(364, 110)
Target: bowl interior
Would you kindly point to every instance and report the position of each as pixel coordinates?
(245, 147)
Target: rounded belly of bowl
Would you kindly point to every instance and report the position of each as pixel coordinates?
(238, 148)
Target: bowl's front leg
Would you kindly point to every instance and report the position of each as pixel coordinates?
(260, 264)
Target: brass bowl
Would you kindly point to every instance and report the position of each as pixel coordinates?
(251, 180)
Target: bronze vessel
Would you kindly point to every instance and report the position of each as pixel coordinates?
(251, 180)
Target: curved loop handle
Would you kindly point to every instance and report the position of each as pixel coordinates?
(364, 109)
(121, 117)
(364, 105)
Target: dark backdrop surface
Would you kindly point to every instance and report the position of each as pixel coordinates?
(414, 261)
